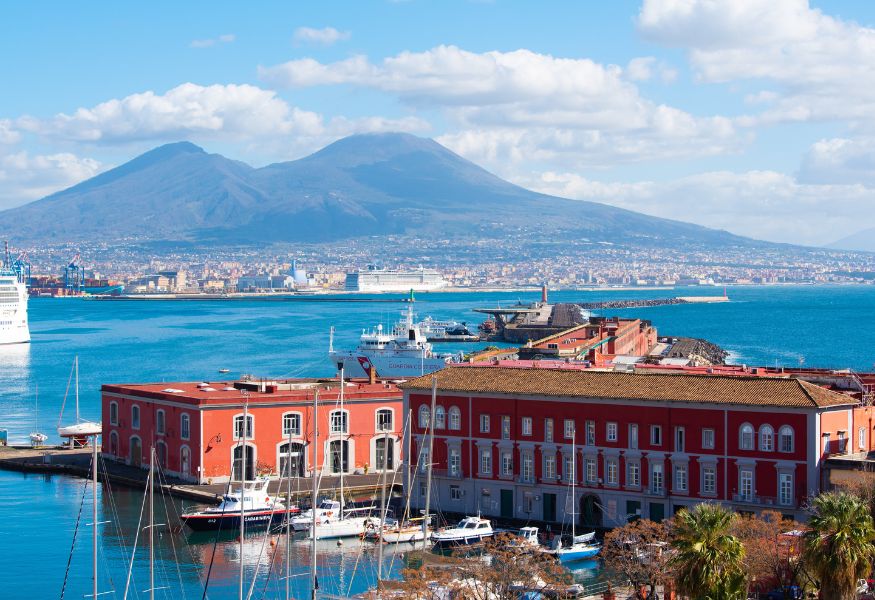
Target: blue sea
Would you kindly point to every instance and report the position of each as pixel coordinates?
(137, 341)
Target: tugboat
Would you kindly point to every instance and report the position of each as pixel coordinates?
(261, 510)
(470, 531)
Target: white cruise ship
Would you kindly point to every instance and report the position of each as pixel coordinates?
(403, 352)
(376, 279)
(13, 304)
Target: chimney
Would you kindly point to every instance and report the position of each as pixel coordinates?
(544, 293)
(372, 375)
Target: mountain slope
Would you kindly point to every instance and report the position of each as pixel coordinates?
(361, 185)
(862, 240)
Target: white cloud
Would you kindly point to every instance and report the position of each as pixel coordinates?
(840, 160)
(822, 65)
(7, 134)
(526, 97)
(760, 204)
(25, 177)
(325, 36)
(207, 43)
(645, 68)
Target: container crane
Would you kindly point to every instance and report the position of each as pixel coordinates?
(73, 276)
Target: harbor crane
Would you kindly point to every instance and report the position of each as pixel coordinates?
(74, 276)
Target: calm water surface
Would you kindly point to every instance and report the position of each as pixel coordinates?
(170, 341)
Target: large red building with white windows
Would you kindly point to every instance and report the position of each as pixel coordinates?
(198, 428)
(506, 441)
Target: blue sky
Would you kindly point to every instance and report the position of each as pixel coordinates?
(754, 116)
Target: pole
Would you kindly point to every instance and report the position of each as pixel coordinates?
(383, 506)
(425, 517)
(94, 515)
(76, 360)
(314, 583)
(409, 482)
(152, 523)
(573, 482)
(343, 424)
(289, 514)
(243, 487)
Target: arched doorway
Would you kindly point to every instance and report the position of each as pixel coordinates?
(590, 511)
(136, 452)
(113, 444)
(237, 473)
(291, 464)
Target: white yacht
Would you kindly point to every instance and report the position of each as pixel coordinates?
(403, 352)
(469, 531)
(13, 303)
(332, 521)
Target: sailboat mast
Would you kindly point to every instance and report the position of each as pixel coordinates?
(573, 482)
(289, 513)
(152, 523)
(343, 426)
(425, 517)
(94, 516)
(383, 506)
(76, 363)
(409, 481)
(314, 584)
(243, 487)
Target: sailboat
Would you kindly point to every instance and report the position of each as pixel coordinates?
(37, 438)
(582, 546)
(80, 430)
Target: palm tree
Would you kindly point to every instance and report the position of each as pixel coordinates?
(838, 544)
(708, 559)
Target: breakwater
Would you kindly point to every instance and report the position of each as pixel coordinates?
(646, 302)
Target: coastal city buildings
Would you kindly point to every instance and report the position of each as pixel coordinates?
(198, 428)
(507, 442)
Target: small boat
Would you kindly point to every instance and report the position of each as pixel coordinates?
(260, 510)
(37, 438)
(582, 547)
(326, 511)
(469, 531)
(398, 532)
(81, 430)
(224, 370)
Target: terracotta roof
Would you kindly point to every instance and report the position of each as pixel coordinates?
(669, 387)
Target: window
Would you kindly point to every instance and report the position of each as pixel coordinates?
(338, 451)
(745, 485)
(455, 492)
(381, 456)
(291, 459)
(611, 471)
(680, 439)
(507, 463)
(527, 426)
(113, 443)
(440, 417)
(238, 427)
(826, 443)
(184, 426)
(709, 480)
(656, 435)
(159, 422)
(384, 420)
(680, 478)
(113, 413)
(505, 427)
(745, 437)
(454, 462)
(484, 423)
(455, 418)
(135, 416)
(424, 417)
(633, 474)
(708, 439)
(861, 438)
(424, 459)
(657, 481)
(785, 489)
(569, 429)
(184, 460)
(485, 461)
(339, 421)
(767, 438)
(843, 442)
(611, 433)
(292, 424)
(548, 430)
(528, 471)
(590, 433)
(633, 436)
(568, 467)
(422, 488)
(785, 439)
(550, 466)
(591, 470)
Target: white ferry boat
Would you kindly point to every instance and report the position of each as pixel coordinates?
(403, 352)
(13, 304)
(376, 279)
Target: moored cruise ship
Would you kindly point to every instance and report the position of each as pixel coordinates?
(376, 279)
(13, 304)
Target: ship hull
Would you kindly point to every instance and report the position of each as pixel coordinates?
(231, 521)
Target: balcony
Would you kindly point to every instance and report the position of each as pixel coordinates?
(758, 500)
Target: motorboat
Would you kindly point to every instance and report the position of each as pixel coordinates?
(469, 531)
(582, 547)
(258, 507)
(397, 532)
(327, 510)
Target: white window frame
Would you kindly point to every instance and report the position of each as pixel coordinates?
(344, 422)
(550, 465)
(568, 467)
(527, 469)
(548, 430)
(484, 423)
(526, 426)
(843, 441)
(424, 416)
(657, 477)
(611, 432)
(681, 478)
(708, 438)
(786, 431)
(612, 471)
(592, 470)
(290, 417)
(440, 417)
(589, 438)
(706, 470)
(135, 421)
(160, 421)
(454, 462)
(185, 426)
(454, 419)
(113, 413)
(766, 438)
(633, 436)
(746, 484)
(568, 429)
(680, 439)
(381, 428)
(656, 432)
(861, 438)
(747, 437)
(505, 427)
(485, 461)
(825, 443)
(507, 463)
(238, 429)
(785, 499)
(456, 492)
(633, 474)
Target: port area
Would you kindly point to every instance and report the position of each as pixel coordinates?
(77, 463)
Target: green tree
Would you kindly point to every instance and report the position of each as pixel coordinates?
(838, 544)
(708, 559)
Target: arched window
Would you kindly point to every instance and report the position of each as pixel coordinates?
(113, 443)
(159, 422)
(237, 471)
(424, 416)
(291, 424)
(785, 439)
(113, 413)
(135, 416)
(291, 464)
(338, 452)
(455, 418)
(382, 444)
(745, 441)
(440, 417)
(384, 419)
(184, 460)
(767, 438)
(136, 451)
(184, 426)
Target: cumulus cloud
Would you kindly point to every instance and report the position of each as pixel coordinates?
(760, 204)
(496, 97)
(25, 177)
(325, 36)
(823, 66)
(840, 160)
(646, 68)
(207, 43)
(7, 134)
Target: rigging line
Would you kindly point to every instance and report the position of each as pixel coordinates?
(163, 477)
(73, 545)
(258, 562)
(136, 539)
(66, 392)
(215, 544)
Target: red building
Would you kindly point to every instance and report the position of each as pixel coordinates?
(646, 444)
(198, 428)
